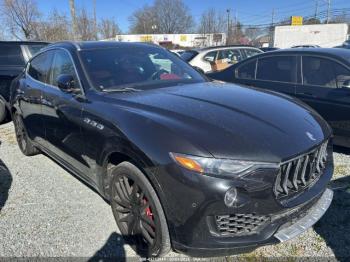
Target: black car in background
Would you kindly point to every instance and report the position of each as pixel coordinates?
(13, 57)
(318, 76)
(198, 167)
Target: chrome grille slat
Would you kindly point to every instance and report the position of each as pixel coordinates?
(300, 172)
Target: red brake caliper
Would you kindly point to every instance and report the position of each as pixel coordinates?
(148, 209)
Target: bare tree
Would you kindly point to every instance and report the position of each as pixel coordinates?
(143, 21)
(108, 29)
(165, 16)
(173, 16)
(55, 28)
(85, 26)
(212, 21)
(21, 17)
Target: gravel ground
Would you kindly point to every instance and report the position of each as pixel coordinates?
(47, 212)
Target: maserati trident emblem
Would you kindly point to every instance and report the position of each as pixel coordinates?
(311, 136)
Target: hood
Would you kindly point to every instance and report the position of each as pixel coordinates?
(232, 121)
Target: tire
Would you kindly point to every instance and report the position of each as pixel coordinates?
(2, 111)
(24, 143)
(138, 212)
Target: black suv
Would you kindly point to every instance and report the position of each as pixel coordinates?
(319, 77)
(13, 57)
(199, 167)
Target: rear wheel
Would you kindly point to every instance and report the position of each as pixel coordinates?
(138, 212)
(2, 111)
(24, 143)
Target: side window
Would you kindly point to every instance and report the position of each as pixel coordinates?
(11, 54)
(324, 72)
(39, 66)
(251, 52)
(246, 71)
(231, 56)
(277, 68)
(211, 56)
(62, 65)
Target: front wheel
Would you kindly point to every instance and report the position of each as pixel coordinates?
(138, 212)
(24, 143)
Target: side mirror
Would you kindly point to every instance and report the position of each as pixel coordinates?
(65, 83)
(346, 84)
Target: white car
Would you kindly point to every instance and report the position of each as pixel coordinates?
(217, 58)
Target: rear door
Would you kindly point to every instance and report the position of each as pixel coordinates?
(31, 95)
(323, 87)
(277, 73)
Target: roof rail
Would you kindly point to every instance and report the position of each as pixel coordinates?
(75, 44)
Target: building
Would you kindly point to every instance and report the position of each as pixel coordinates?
(181, 40)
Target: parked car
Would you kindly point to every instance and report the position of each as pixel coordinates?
(319, 77)
(13, 57)
(306, 46)
(198, 167)
(268, 49)
(219, 57)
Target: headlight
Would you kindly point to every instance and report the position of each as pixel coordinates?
(218, 166)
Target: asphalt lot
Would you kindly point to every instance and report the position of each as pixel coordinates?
(47, 212)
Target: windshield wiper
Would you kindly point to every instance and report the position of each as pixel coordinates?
(125, 89)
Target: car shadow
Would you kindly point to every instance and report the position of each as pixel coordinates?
(113, 249)
(5, 183)
(334, 227)
(341, 150)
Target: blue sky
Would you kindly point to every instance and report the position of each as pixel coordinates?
(248, 11)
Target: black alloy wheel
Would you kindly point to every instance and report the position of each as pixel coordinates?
(24, 143)
(138, 212)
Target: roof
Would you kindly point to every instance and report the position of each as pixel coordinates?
(88, 45)
(224, 46)
(24, 42)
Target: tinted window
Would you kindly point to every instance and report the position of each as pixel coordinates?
(251, 52)
(278, 68)
(324, 72)
(246, 71)
(11, 55)
(211, 56)
(230, 56)
(39, 66)
(62, 65)
(144, 67)
(188, 55)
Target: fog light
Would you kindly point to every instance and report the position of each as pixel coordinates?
(230, 197)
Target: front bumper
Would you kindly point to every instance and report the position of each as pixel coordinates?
(287, 231)
(304, 223)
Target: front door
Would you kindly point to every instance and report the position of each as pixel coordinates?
(63, 115)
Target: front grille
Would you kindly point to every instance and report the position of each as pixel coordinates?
(300, 172)
(239, 224)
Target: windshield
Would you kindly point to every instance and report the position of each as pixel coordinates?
(11, 55)
(188, 55)
(143, 68)
(33, 49)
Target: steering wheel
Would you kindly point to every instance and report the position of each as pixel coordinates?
(156, 75)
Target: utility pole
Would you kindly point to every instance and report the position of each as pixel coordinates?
(316, 9)
(95, 19)
(328, 11)
(228, 26)
(272, 27)
(74, 20)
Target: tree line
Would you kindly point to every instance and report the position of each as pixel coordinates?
(23, 20)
